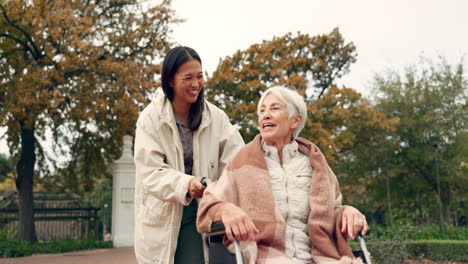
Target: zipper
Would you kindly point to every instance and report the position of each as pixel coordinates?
(285, 184)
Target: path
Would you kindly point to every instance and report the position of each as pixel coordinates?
(95, 256)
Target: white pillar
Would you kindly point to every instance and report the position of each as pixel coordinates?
(122, 197)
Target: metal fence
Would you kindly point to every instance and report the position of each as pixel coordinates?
(56, 218)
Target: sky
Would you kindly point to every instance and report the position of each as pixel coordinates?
(387, 34)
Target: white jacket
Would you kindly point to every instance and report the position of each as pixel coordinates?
(161, 185)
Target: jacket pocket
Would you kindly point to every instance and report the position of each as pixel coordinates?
(154, 212)
(303, 181)
(213, 172)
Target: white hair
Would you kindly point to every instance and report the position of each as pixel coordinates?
(293, 100)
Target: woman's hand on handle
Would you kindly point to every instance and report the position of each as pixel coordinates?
(237, 223)
(352, 221)
(196, 189)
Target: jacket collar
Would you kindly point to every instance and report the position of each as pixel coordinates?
(289, 151)
(167, 113)
(252, 154)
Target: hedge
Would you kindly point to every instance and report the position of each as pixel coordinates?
(396, 251)
(451, 250)
(428, 232)
(16, 248)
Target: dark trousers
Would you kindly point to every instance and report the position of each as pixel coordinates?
(189, 243)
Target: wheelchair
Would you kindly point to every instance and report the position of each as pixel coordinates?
(218, 254)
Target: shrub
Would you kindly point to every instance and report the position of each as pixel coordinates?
(8, 234)
(449, 250)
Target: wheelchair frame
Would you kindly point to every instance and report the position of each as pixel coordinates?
(218, 254)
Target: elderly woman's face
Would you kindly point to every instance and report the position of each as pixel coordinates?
(274, 123)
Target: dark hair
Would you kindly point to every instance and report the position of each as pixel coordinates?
(173, 60)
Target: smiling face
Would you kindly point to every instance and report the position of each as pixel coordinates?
(187, 82)
(275, 126)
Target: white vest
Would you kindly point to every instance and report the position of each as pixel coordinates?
(290, 184)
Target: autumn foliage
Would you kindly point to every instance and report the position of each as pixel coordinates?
(310, 65)
(76, 72)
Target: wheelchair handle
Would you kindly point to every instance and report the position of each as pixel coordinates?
(362, 243)
(205, 181)
(367, 234)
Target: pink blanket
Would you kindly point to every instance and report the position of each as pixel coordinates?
(246, 183)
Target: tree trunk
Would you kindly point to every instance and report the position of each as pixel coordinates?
(389, 202)
(446, 198)
(24, 184)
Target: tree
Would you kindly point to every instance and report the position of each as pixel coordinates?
(430, 99)
(364, 156)
(301, 61)
(74, 72)
(339, 120)
(352, 134)
(342, 121)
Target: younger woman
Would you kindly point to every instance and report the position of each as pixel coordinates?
(180, 137)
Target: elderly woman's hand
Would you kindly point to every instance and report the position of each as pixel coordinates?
(352, 221)
(237, 223)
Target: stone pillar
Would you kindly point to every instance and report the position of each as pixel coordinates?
(122, 197)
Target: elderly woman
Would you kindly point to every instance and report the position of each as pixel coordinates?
(280, 193)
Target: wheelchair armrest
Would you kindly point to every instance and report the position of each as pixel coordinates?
(217, 250)
(217, 228)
